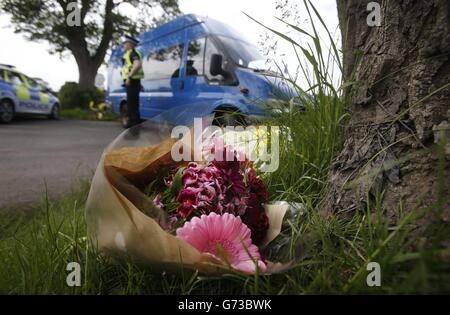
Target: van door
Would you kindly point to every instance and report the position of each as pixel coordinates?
(40, 98)
(23, 97)
(162, 84)
(201, 89)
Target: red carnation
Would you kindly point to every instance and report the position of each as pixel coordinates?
(258, 188)
(258, 222)
(188, 199)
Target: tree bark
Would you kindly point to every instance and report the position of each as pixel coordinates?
(87, 72)
(397, 105)
(87, 65)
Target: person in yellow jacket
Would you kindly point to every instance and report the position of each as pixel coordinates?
(132, 73)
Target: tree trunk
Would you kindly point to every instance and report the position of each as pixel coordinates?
(399, 102)
(87, 65)
(86, 74)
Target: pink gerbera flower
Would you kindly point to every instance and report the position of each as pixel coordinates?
(219, 235)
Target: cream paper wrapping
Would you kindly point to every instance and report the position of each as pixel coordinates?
(123, 222)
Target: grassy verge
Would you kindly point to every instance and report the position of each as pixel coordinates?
(36, 248)
(86, 114)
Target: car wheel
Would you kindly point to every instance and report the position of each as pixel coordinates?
(55, 114)
(124, 115)
(229, 116)
(6, 111)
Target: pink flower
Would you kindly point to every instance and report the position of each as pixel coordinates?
(188, 199)
(207, 174)
(172, 220)
(157, 201)
(223, 235)
(194, 166)
(168, 180)
(201, 191)
(208, 193)
(189, 177)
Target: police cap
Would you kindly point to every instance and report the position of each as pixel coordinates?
(130, 39)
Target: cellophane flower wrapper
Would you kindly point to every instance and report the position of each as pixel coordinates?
(124, 222)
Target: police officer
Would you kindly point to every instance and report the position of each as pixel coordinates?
(132, 73)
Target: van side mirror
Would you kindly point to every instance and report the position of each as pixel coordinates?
(216, 65)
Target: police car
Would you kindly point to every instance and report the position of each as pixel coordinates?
(20, 94)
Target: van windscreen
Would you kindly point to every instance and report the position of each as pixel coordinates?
(241, 52)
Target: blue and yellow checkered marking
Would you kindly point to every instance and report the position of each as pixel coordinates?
(22, 92)
(44, 97)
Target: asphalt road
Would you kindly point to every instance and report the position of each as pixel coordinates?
(59, 152)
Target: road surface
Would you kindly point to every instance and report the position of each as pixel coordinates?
(59, 152)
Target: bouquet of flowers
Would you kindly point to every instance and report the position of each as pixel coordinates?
(218, 208)
(201, 215)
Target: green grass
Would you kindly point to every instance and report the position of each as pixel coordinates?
(86, 114)
(35, 249)
(330, 253)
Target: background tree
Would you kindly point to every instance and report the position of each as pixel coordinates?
(399, 94)
(101, 24)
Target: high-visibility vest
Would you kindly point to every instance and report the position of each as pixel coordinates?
(128, 65)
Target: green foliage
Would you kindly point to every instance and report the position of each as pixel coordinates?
(177, 182)
(86, 114)
(313, 120)
(72, 95)
(102, 21)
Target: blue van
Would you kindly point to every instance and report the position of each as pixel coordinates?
(196, 67)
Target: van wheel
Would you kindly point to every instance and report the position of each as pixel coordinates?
(55, 114)
(124, 115)
(229, 116)
(6, 111)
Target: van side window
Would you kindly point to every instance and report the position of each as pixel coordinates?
(14, 78)
(164, 63)
(2, 74)
(209, 51)
(195, 57)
